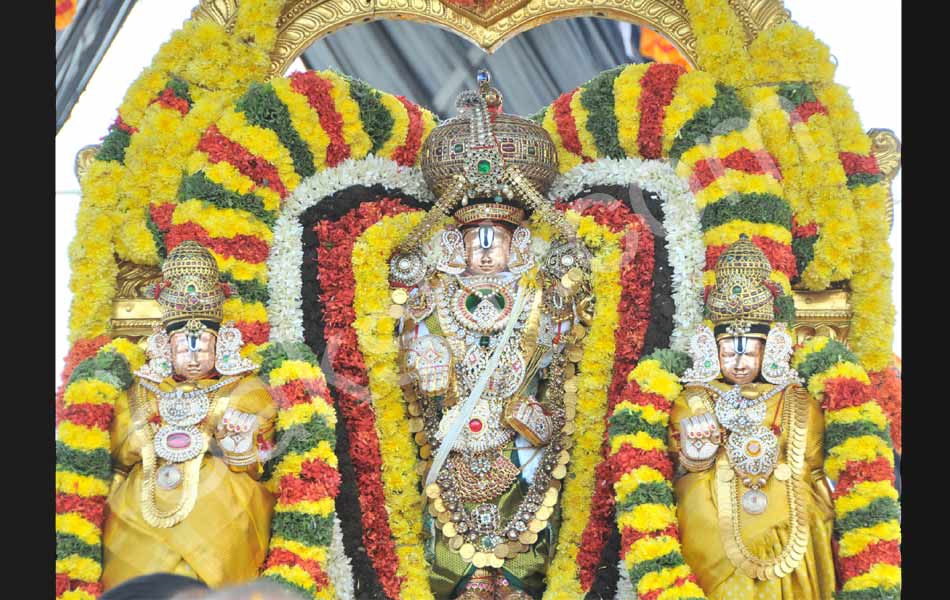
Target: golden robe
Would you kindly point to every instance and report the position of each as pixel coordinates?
(704, 539)
(223, 540)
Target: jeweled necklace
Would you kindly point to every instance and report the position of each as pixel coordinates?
(751, 447)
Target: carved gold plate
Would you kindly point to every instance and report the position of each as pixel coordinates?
(488, 25)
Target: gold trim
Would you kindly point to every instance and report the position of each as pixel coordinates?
(825, 313)
(795, 422)
(886, 148)
(84, 159)
(305, 21)
(223, 12)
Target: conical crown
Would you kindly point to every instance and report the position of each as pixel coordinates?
(741, 298)
(191, 289)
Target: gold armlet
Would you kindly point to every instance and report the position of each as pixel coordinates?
(694, 466)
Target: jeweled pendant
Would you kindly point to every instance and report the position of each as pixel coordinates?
(168, 477)
(754, 502)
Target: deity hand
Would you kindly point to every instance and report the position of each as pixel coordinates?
(236, 434)
(528, 418)
(430, 363)
(700, 438)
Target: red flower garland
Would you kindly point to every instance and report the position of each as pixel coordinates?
(242, 247)
(805, 112)
(407, 153)
(566, 127)
(758, 162)
(319, 95)
(657, 87)
(337, 282)
(168, 99)
(219, 148)
(887, 390)
(855, 163)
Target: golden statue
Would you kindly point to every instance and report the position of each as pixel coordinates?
(487, 319)
(748, 444)
(188, 444)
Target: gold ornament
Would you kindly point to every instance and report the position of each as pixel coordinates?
(740, 298)
(190, 289)
(477, 146)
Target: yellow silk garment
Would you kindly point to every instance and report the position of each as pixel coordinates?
(223, 540)
(765, 535)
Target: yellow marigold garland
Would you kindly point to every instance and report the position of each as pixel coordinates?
(375, 329)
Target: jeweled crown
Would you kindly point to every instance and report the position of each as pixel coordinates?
(190, 289)
(478, 143)
(741, 299)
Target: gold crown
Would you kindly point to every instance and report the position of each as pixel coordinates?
(478, 143)
(740, 298)
(190, 290)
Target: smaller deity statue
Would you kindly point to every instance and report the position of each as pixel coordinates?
(747, 439)
(189, 442)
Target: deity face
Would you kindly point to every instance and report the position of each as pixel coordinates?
(487, 247)
(739, 368)
(193, 358)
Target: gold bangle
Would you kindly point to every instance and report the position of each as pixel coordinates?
(694, 466)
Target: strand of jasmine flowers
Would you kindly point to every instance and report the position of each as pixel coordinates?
(339, 569)
(284, 284)
(684, 241)
(625, 590)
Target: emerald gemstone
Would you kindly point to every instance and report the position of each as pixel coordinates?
(457, 148)
(484, 167)
(708, 363)
(736, 290)
(483, 341)
(191, 289)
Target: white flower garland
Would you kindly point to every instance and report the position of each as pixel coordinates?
(684, 241)
(339, 569)
(284, 284)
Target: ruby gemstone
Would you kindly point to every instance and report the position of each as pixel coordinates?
(475, 425)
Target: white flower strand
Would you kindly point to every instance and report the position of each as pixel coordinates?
(684, 238)
(284, 283)
(339, 569)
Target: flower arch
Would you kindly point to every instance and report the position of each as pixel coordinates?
(207, 146)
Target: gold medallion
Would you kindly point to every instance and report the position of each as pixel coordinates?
(456, 542)
(536, 525)
(467, 551)
(559, 472)
(395, 311)
(480, 560)
(439, 505)
(425, 451)
(527, 538)
(501, 551)
(783, 472)
(400, 296)
(433, 490)
(544, 513)
(495, 562)
(448, 530)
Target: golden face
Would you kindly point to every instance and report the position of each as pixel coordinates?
(193, 358)
(482, 260)
(740, 368)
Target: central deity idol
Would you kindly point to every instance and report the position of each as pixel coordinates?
(490, 325)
